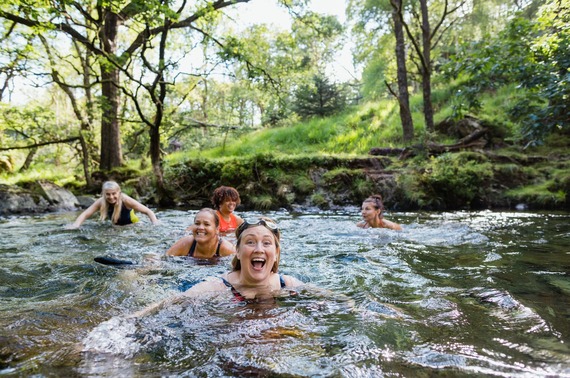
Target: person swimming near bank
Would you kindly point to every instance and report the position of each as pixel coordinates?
(205, 241)
(116, 206)
(372, 214)
(255, 269)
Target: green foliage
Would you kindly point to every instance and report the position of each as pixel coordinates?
(263, 202)
(319, 200)
(540, 194)
(303, 184)
(449, 181)
(319, 98)
(60, 175)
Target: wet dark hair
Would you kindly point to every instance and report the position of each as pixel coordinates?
(223, 193)
(376, 199)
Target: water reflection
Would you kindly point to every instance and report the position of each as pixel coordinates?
(459, 293)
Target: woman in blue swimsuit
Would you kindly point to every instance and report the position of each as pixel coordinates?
(205, 241)
(254, 272)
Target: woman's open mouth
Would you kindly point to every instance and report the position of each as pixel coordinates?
(258, 263)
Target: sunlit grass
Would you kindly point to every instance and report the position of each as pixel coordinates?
(539, 193)
(60, 175)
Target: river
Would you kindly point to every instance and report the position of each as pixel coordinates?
(453, 294)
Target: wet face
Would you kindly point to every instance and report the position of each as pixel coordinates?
(369, 211)
(228, 206)
(204, 227)
(112, 196)
(257, 253)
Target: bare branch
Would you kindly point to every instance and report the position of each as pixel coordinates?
(72, 139)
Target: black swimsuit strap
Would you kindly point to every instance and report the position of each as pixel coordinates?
(192, 248)
(219, 245)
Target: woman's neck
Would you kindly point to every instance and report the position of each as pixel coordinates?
(206, 248)
(377, 222)
(243, 282)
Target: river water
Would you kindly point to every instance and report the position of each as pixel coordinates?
(454, 294)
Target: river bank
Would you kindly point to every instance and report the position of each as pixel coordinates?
(463, 180)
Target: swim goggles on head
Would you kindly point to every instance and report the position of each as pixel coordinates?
(249, 222)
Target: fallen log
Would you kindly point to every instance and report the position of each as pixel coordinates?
(475, 140)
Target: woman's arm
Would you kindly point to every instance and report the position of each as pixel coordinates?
(181, 247)
(391, 225)
(238, 219)
(132, 203)
(291, 281)
(86, 214)
(210, 285)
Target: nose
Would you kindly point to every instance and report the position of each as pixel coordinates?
(258, 247)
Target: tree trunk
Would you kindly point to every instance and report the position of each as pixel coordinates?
(85, 160)
(403, 94)
(111, 153)
(29, 159)
(157, 161)
(154, 131)
(426, 70)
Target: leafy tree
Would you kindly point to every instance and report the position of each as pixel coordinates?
(320, 98)
(289, 59)
(110, 44)
(433, 30)
(33, 127)
(535, 55)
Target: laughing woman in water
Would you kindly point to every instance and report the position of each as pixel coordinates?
(205, 241)
(116, 206)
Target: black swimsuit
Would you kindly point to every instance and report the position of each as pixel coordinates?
(127, 215)
(240, 297)
(193, 248)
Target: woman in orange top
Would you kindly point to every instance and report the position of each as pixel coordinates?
(225, 199)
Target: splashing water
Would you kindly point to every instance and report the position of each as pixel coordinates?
(462, 293)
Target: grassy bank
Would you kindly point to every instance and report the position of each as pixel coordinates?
(326, 163)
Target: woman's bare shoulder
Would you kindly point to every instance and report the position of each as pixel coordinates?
(227, 248)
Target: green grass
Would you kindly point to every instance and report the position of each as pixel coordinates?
(540, 194)
(358, 129)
